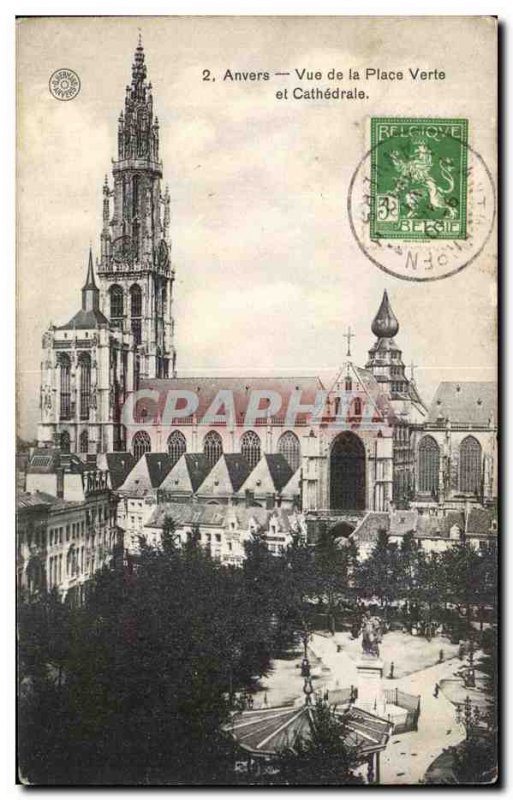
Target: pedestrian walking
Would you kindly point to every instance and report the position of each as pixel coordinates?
(391, 673)
(437, 689)
(440, 656)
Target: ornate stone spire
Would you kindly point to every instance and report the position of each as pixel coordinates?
(385, 324)
(138, 67)
(138, 134)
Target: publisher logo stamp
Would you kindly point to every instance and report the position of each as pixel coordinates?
(64, 84)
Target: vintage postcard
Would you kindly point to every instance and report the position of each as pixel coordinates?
(257, 446)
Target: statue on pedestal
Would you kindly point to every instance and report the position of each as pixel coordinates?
(372, 634)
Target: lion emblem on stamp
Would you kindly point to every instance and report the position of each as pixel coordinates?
(419, 186)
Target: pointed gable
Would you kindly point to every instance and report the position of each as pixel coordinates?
(159, 465)
(270, 475)
(187, 475)
(291, 488)
(217, 482)
(147, 474)
(226, 476)
(178, 480)
(238, 469)
(279, 470)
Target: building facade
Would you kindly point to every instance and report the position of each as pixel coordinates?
(66, 526)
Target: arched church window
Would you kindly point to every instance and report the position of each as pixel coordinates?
(250, 448)
(84, 442)
(176, 445)
(357, 407)
(470, 465)
(213, 446)
(136, 311)
(84, 363)
(141, 444)
(288, 446)
(428, 465)
(65, 386)
(65, 442)
(116, 303)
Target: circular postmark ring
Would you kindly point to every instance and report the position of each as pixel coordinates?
(64, 84)
(404, 246)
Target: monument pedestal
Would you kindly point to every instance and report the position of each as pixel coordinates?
(371, 695)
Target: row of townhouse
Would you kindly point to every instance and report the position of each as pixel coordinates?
(223, 530)
(434, 533)
(66, 525)
(195, 479)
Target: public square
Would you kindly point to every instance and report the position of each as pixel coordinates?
(417, 670)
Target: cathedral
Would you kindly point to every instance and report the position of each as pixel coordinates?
(375, 446)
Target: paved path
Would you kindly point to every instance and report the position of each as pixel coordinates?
(408, 755)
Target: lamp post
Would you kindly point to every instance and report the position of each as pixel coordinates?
(305, 663)
(468, 715)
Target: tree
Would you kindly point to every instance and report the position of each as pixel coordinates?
(322, 759)
(333, 567)
(147, 668)
(377, 575)
(471, 578)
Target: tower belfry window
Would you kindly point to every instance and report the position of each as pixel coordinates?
(65, 387)
(136, 311)
(135, 196)
(85, 385)
(116, 302)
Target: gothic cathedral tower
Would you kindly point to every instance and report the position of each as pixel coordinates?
(135, 272)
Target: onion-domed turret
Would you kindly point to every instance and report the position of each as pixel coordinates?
(385, 324)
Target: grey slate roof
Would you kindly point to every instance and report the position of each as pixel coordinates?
(218, 515)
(34, 499)
(465, 402)
(46, 460)
(482, 520)
(238, 469)
(280, 470)
(119, 465)
(159, 465)
(85, 320)
(198, 467)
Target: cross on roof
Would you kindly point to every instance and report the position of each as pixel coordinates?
(348, 335)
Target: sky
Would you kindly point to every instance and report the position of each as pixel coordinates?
(268, 275)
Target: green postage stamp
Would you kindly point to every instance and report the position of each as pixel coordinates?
(418, 178)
